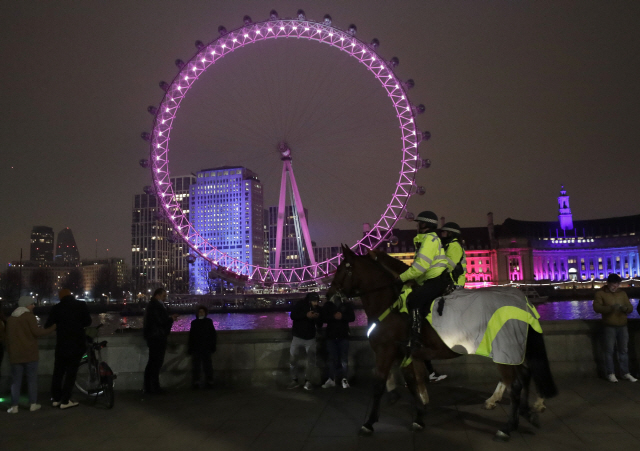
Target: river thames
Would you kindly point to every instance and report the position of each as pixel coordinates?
(114, 323)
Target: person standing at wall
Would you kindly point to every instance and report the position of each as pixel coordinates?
(156, 329)
(614, 306)
(70, 317)
(202, 343)
(22, 345)
(337, 313)
(306, 317)
(3, 329)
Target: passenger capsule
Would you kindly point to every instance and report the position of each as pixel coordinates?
(152, 110)
(222, 30)
(273, 15)
(146, 136)
(247, 20)
(199, 45)
(374, 44)
(179, 64)
(164, 86)
(301, 15)
(352, 30)
(144, 163)
(327, 19)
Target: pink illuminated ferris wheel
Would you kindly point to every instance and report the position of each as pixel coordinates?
(275, 28)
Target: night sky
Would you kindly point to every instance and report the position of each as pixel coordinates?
(520, 98)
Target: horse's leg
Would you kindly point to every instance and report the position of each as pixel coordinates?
(420, 373)
(504, 434)
(385, 356)
(491, 403)
(539, 406)
(418, 422)
(392, 388)
(525, 410)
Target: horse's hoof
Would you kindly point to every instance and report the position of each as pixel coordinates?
(365, 431)
(501, 437)
(417, 426)
(487, 406)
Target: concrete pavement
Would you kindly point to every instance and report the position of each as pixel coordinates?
(588, 414)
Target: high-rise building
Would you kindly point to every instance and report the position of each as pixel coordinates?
(289, 253)
(41, 244)
(66, 249)
(158, 257)
(226, 205)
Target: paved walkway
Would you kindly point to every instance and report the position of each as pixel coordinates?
(588, 414)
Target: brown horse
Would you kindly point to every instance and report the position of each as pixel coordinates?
(372, 279)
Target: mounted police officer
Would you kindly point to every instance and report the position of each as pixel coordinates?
(427, 271)
(456, 257)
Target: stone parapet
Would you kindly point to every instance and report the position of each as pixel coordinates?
(261, 357)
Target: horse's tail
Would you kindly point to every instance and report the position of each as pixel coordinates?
(539, 365)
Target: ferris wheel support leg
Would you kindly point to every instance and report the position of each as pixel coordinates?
(301, 215)
(281, 212)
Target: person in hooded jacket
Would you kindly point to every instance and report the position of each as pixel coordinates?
(71, 317)
(306, 319)
(156, 329)
(22, 345)
(337, 313)
(202, 343)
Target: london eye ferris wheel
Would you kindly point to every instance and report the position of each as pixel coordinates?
(277, 29)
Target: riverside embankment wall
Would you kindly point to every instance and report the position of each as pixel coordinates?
(261, 357)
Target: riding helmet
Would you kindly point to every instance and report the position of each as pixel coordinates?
(429, 218)
(451, 227)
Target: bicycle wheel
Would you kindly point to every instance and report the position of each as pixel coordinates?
(86, 380)
(107, 391)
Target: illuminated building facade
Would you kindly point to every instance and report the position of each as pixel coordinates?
(66, 248)
(158, 258)
(226, 208)
(41, 244)
(543, 251)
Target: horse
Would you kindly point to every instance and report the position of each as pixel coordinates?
(372, 279)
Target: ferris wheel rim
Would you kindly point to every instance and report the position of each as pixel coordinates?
(206, 56)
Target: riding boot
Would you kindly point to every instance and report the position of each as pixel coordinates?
(416, 328)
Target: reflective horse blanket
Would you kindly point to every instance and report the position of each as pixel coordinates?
(492, 322)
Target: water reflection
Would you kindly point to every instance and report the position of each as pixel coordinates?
(551, 311)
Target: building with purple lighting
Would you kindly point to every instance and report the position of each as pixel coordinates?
(226, 208)
(543, 251)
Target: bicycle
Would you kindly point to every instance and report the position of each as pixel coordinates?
(95, 378)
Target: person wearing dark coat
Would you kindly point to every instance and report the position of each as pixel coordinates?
(337, 313)
(202, 343)
(306, 318)
(70, 317)
(156, 329)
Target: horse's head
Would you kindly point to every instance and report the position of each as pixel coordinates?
(356, 274)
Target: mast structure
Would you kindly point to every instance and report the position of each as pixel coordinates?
(297, 209)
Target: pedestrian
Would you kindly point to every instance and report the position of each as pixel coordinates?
(202, 343)
(337, 313)
(614, 306)
(156, 329)
(22, 345)
(306, 318)
(3, 328)
(70, 316)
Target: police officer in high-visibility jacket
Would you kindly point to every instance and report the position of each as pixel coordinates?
(427, 271)
(456, 258)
